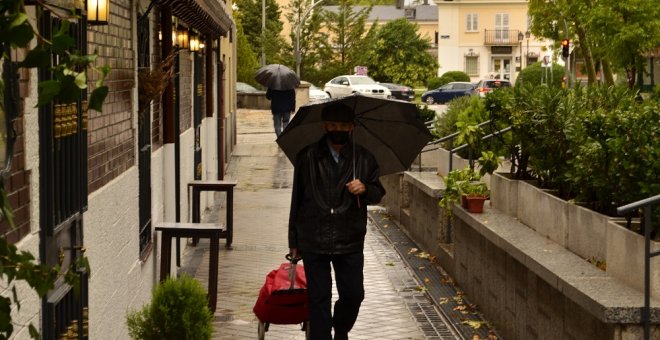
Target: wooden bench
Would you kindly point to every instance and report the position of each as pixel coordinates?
(195, 188)
(214, 232)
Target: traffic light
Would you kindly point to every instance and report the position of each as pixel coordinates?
(565, 43)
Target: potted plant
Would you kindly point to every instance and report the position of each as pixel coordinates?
(455, 183)
(474, 194)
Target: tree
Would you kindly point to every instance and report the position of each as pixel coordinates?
(269, 40)
(637, 31)
(612, 33)
(246, 59)
(314, 47)
(347, 29)
(399, 54)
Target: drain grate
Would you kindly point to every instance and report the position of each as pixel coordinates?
(453, 308)
(421, 307)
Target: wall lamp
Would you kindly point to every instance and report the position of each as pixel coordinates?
(182, 38)
(98, 12)
(194, 42)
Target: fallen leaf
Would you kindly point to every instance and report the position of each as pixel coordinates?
(421, 268)
(423, 255)
(413, 250)
(476, 337)
(443, 301)
(427, 280)
(390, 264)
(421, 289)
(446, 280)
(474, 324)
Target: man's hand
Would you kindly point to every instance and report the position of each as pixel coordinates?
(294, 253)
(356, 187)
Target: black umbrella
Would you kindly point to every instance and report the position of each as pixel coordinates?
(392, 130)
(277, 77)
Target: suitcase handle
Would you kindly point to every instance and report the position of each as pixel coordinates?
(291, 259)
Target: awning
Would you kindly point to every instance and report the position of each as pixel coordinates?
(207, 16)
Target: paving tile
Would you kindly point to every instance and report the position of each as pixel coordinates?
(394, 307)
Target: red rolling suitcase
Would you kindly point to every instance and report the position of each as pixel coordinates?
(283, 298)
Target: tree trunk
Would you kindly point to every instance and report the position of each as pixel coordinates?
(586, 53)
(607, 72)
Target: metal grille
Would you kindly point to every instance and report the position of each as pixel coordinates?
(144, 143)
(63, 193)
(63, 146)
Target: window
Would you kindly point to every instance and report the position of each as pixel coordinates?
(472, 65)
(472, 22)
(502, 27)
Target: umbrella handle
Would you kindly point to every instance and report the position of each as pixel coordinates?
(358, 201)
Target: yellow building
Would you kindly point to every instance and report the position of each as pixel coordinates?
(486, 38)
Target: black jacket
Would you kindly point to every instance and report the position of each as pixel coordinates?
(281, 101)
(325, 217)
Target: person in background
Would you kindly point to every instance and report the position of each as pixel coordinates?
(334, 181)
(282, 104)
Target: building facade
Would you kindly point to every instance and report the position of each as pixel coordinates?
(486, 38)
(95, 184)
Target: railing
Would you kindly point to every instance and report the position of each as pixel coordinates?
(502, 37)
(450, 138)
(646, 205)
(452, 150)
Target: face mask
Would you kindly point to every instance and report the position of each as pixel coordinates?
(338, 137)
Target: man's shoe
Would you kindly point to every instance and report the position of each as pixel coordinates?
(341, 336)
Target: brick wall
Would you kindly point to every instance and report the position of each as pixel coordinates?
(111, 135)
(17, 185)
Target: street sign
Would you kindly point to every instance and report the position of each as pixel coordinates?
(546, 61)
(360, 70)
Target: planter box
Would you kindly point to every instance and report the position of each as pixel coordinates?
(543, 212)
(586, 233)
(625, 258)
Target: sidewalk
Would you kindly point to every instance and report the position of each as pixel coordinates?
(397, 304)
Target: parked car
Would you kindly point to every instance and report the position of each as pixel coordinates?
(447, 92)
(486, 86)
(246, 88)
(316, 94)
(401, 92)
(346, 85)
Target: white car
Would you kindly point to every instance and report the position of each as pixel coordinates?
(346, 85)
(316, 94)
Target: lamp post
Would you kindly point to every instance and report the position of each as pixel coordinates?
(296, 52)
(520, 39)
(527, 35)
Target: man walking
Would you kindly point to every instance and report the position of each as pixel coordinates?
(334, 181)
(282, 104)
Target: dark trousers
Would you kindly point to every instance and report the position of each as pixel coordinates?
(349, 278)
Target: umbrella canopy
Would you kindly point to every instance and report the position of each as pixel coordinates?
(277, 77)
(392, 130)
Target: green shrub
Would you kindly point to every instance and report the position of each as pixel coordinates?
(426, 113)
(456, 76)
(436, 82)
(533, 75)
(446, 123)
(178, 310)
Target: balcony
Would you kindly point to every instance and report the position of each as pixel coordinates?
(502, 37)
